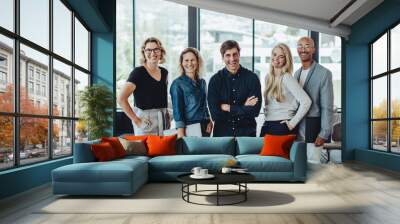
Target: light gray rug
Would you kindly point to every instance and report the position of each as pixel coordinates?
(166, 198)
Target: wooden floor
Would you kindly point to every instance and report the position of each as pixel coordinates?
(377, 188)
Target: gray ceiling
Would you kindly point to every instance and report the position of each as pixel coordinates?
(328, 16)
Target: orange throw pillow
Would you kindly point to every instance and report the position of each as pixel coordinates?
(116, 145)
(161, 145)
(136, 138)
(103, 151)
(277, 145)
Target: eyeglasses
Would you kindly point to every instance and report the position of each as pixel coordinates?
(307, 47)
(155, 50)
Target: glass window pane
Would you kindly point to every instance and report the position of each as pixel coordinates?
(395, 136)
(62, 138)
(62, 89)
(216, 28)
(6, 142)
(379, 98)
(81, 131)
(379, 135)
(34, 72)
(169, 23)
(379, 55)
(33, 139)
(35, 21)
(395, 95)
(81, 81)
(330, 55)
(6, 74)
(62, 29)
(7, 14)
(395, 47)
(124, 42)
(81, 45)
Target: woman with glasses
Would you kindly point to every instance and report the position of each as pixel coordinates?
(188, 94)
(148, 84)
(286, 103)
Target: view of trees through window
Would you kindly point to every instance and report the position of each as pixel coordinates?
(34, 116)
(385, 96)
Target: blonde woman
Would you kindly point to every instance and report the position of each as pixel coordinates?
(148, 84)
(188, 94)
(286, 103)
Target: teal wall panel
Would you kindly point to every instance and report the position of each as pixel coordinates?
(356, 84)
(24, 178)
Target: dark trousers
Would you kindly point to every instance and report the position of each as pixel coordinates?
(204, 125)
(222, 129)
(276, 128)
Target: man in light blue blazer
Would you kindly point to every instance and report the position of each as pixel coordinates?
(316, 80)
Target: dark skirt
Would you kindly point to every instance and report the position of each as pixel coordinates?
(276, 128)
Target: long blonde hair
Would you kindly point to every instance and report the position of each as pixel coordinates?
(273, 82)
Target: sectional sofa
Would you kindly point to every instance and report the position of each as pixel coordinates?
(125, 176)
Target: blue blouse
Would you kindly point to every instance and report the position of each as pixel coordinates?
(189, 101)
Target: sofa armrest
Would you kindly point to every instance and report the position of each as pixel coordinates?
(298, 155)
(83, 152)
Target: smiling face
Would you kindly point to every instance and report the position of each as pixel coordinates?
(278, 58)
(305, 49)
(231, 59)
(152, 52)
(189, 63)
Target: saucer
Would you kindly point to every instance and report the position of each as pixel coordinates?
(208, 176)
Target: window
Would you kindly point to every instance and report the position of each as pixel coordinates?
(44, 91)
(215, 28)
(6, 142)
(45, 131)
(62, 29)
(3, 78)
(30, 87)
(385, 97)
(7, 14)
(124, 48)
(34, 145)
(61, 72)
(3, 61)
(34, 21)
(81, 45)
(6, 73)
(30, 72)
(330, 56)
(81, 81)
(171, 30)
(62, 138)
(40, 62)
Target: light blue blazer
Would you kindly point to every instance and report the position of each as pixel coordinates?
(319, 88)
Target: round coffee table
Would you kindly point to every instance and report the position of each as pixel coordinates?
(238, 179)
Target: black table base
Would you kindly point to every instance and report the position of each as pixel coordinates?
(220, 193)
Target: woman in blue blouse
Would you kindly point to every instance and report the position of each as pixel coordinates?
(188, 94)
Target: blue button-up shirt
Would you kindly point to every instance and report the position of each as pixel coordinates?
(234, 89)
(189, 101)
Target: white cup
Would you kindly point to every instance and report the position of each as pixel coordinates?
(203, 172)
(226, 170)
(196, 170)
